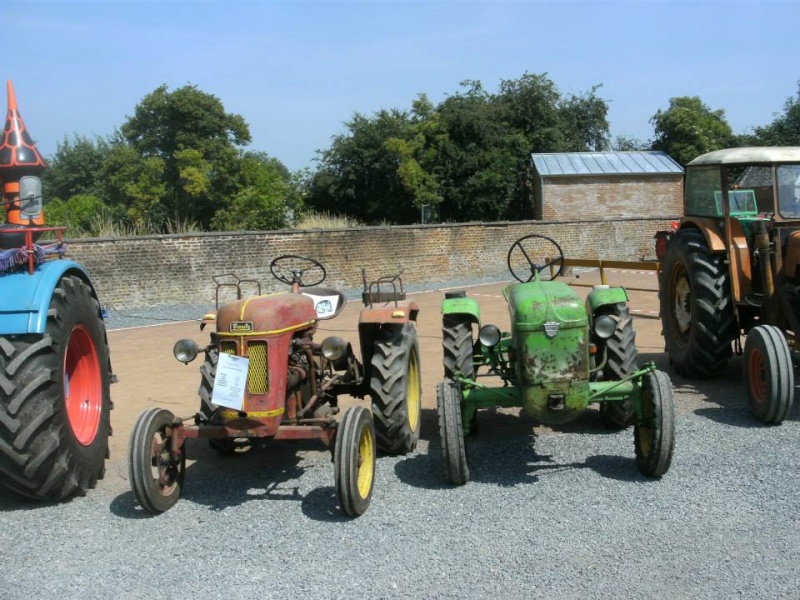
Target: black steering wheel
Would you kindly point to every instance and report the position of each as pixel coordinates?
(532, 254)
(290, 269)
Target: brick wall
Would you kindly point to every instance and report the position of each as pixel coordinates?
(610, 197)
(178, 269)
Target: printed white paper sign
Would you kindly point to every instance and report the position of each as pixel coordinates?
(230, 381)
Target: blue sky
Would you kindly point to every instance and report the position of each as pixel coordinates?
(296, 71)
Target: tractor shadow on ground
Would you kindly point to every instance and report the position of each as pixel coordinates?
(503, 453)
(272, 473)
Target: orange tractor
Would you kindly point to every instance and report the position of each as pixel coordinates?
(265, 377)
(731, 268)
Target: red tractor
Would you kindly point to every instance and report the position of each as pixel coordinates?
(264, 376)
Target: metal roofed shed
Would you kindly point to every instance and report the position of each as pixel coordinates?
(606, 185)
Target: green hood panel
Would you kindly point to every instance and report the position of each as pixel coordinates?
(531, 305)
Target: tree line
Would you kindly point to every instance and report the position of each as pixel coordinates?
(180, 162)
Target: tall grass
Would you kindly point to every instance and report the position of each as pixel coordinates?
(324, 220)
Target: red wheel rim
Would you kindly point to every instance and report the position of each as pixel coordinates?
(83, 386)
(756, 372)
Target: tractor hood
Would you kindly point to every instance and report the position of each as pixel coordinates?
(533, 304)
(270, 315)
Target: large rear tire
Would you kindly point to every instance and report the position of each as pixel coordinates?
(696, 306)
(451, 431)
(396, 389)
(769, 374)
(156, 477)
(621, 361)
(654, 433)
(55, 399)
(354, 461)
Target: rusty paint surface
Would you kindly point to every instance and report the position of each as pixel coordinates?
(405, 311)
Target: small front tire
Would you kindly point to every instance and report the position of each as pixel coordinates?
(156, 477)
(769, 374)
(654, 432)
(451, 431)
(354, 461)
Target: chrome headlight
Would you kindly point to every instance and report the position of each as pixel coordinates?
(185, 350)
(604, 326)
(333, 348)
(489, 335)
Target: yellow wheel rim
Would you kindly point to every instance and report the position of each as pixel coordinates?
(413, 393)
(366, 461)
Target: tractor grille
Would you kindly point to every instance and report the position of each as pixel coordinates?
(228, 348)
(257, 380)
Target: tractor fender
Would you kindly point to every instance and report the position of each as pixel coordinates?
(372, 320)
(25, 298)
(462, 305)
(604, 296)
(711, 229)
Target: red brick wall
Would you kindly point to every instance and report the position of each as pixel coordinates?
(178, 269)
(610, 197)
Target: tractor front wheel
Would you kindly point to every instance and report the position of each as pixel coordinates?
(654, 433)
(396, 389)
(769, 374)
(451, 431)
(55, 401)
(354, 460)
(156, 476)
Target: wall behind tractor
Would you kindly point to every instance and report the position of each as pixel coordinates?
(178, 269)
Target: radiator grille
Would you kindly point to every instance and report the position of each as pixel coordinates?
(257, 377)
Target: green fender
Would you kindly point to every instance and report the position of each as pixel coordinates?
(603, 296)
(462, 306)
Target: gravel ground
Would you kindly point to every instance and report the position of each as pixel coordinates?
(548, 513)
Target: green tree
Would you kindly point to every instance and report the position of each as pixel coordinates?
(75, 169)
(689, 128)
(165, 125)
(783, 131)
(358, 175)
(135, 186)
(266, 198)
(77, 213)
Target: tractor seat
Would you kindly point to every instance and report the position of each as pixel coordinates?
(328, 303)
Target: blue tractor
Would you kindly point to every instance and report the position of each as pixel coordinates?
(55, 371)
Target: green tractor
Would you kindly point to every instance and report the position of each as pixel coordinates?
(561, 355)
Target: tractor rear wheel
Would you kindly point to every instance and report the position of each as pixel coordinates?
(621, 361)
(696, 306)
(156, 478)
(451, 431)
(654, 433)
(396, 389)
(769, 374)
(55, 400)
(354, 460)
(458, 345)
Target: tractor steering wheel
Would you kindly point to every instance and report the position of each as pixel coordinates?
(529, 256)
(290, 269)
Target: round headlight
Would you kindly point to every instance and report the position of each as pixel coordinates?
(185, 350)
(604, 326)
(333, 348)
(489, 335)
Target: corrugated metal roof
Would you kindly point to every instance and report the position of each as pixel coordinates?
(604, 163)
